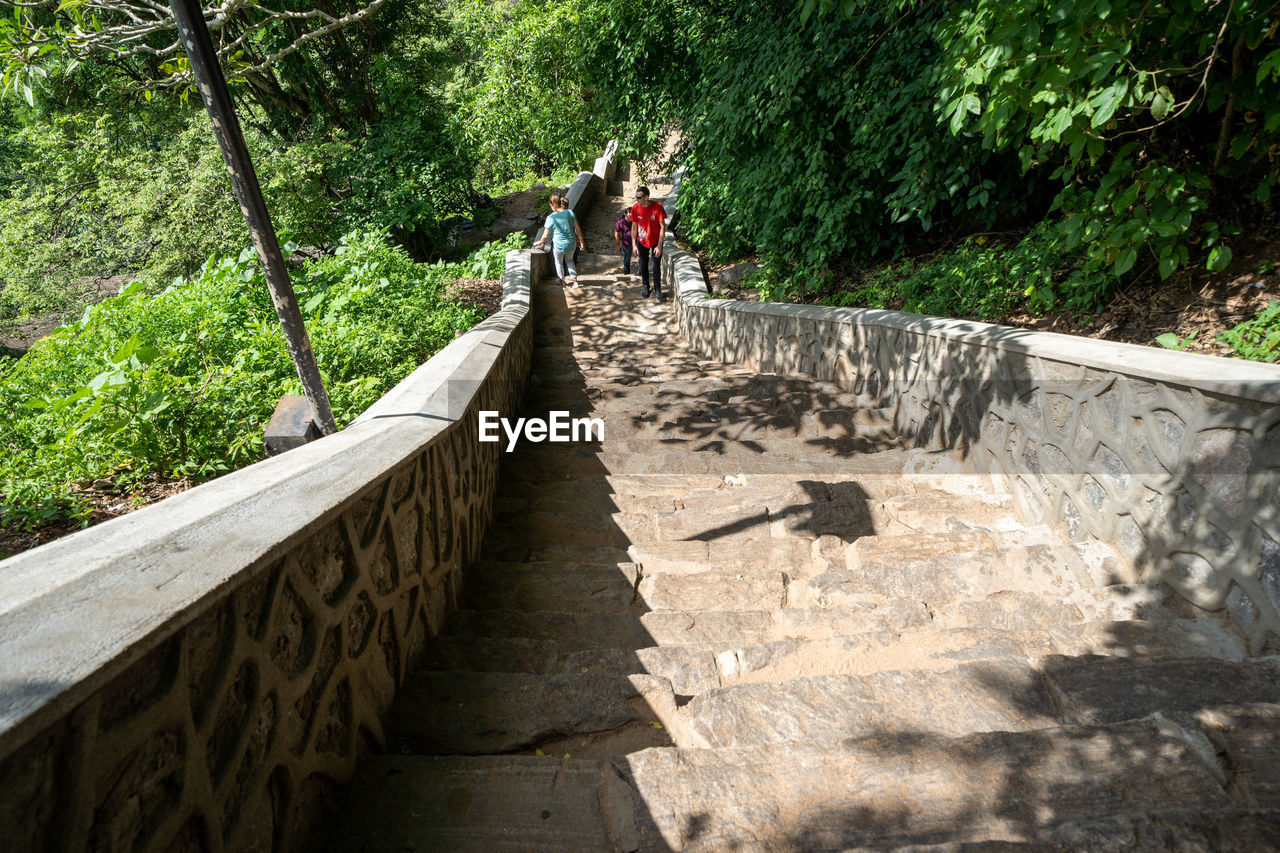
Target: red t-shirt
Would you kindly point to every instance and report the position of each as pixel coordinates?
(647, 221)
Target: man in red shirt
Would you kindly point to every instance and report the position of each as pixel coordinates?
(650, 225)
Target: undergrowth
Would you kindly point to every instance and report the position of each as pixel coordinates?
(182, 382)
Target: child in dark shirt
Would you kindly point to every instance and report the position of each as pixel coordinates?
(622, 237)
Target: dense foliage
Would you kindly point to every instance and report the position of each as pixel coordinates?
(379, 129)
(845, 133)
(108, 166)
(182, 382)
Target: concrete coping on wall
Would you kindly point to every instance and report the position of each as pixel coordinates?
(1250, 380)
(78, 611)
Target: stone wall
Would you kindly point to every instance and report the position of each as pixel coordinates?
(1172, 457)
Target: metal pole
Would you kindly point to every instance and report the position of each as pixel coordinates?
(189, 15)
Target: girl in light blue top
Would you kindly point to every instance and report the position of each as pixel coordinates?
(562, 227)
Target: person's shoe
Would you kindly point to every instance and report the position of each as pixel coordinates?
(657, 294)
(644, 294)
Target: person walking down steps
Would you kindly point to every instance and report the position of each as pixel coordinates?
(650, 221)
(562, 227)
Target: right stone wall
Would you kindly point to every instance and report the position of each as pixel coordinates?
(1171, 457)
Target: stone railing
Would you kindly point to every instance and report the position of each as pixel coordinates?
(200, 674)
(1174, 458)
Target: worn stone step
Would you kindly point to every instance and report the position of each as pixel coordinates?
(584, 588)
(709, 492)
(587, 529)
(728, 629)
(518, 551)
(937, 650)
(934, 513)
(897, 789)
(716, 590)
(749, 556)
(1109, 689)
(478, 713)
(690, 670)
(1049, 569)
(544, 462)
(1001, 693)
(877, 550)
(994, 695)
(513, 803)
(569, 631)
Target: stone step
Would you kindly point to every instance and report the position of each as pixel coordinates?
(478, 713)
(878, 550)
(934, 513)
(584, 588)
(482, 804)
(897, 789)
(716, 590)
(708, 492)
(1049, 569)
(937, 650)
(1095, 689)
(709, 665)
(728, 629)
(543, 462)
(589, 529)
(498, 550)
(1001, 694)
(736, 554)
(994, 695)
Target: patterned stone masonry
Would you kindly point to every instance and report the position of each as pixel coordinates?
(1172, 457)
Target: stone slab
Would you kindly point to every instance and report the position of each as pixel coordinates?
(989, 696)
(480, 804)
(1107, 689)
(470, 713)
(902, 788)
(713, 591)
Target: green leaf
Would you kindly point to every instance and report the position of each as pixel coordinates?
(1169, 341)
(1219, 257)
(1125, 262)
(1161, 102)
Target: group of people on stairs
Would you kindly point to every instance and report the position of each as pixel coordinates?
(638, 233)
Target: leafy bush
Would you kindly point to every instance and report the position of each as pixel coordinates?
(116, 194)
(1257, 339)
(183, 382)
(845, 130)
(981, 279)
(520, 105)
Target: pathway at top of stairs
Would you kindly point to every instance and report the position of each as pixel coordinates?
(749, 620)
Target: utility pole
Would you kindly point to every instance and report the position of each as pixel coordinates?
(189, 15)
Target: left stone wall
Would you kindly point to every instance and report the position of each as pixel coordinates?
(199, 675)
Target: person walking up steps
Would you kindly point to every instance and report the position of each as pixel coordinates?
(562, 227)
(622, 237)
(650, 221)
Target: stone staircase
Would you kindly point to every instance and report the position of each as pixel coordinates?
(748, 620)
